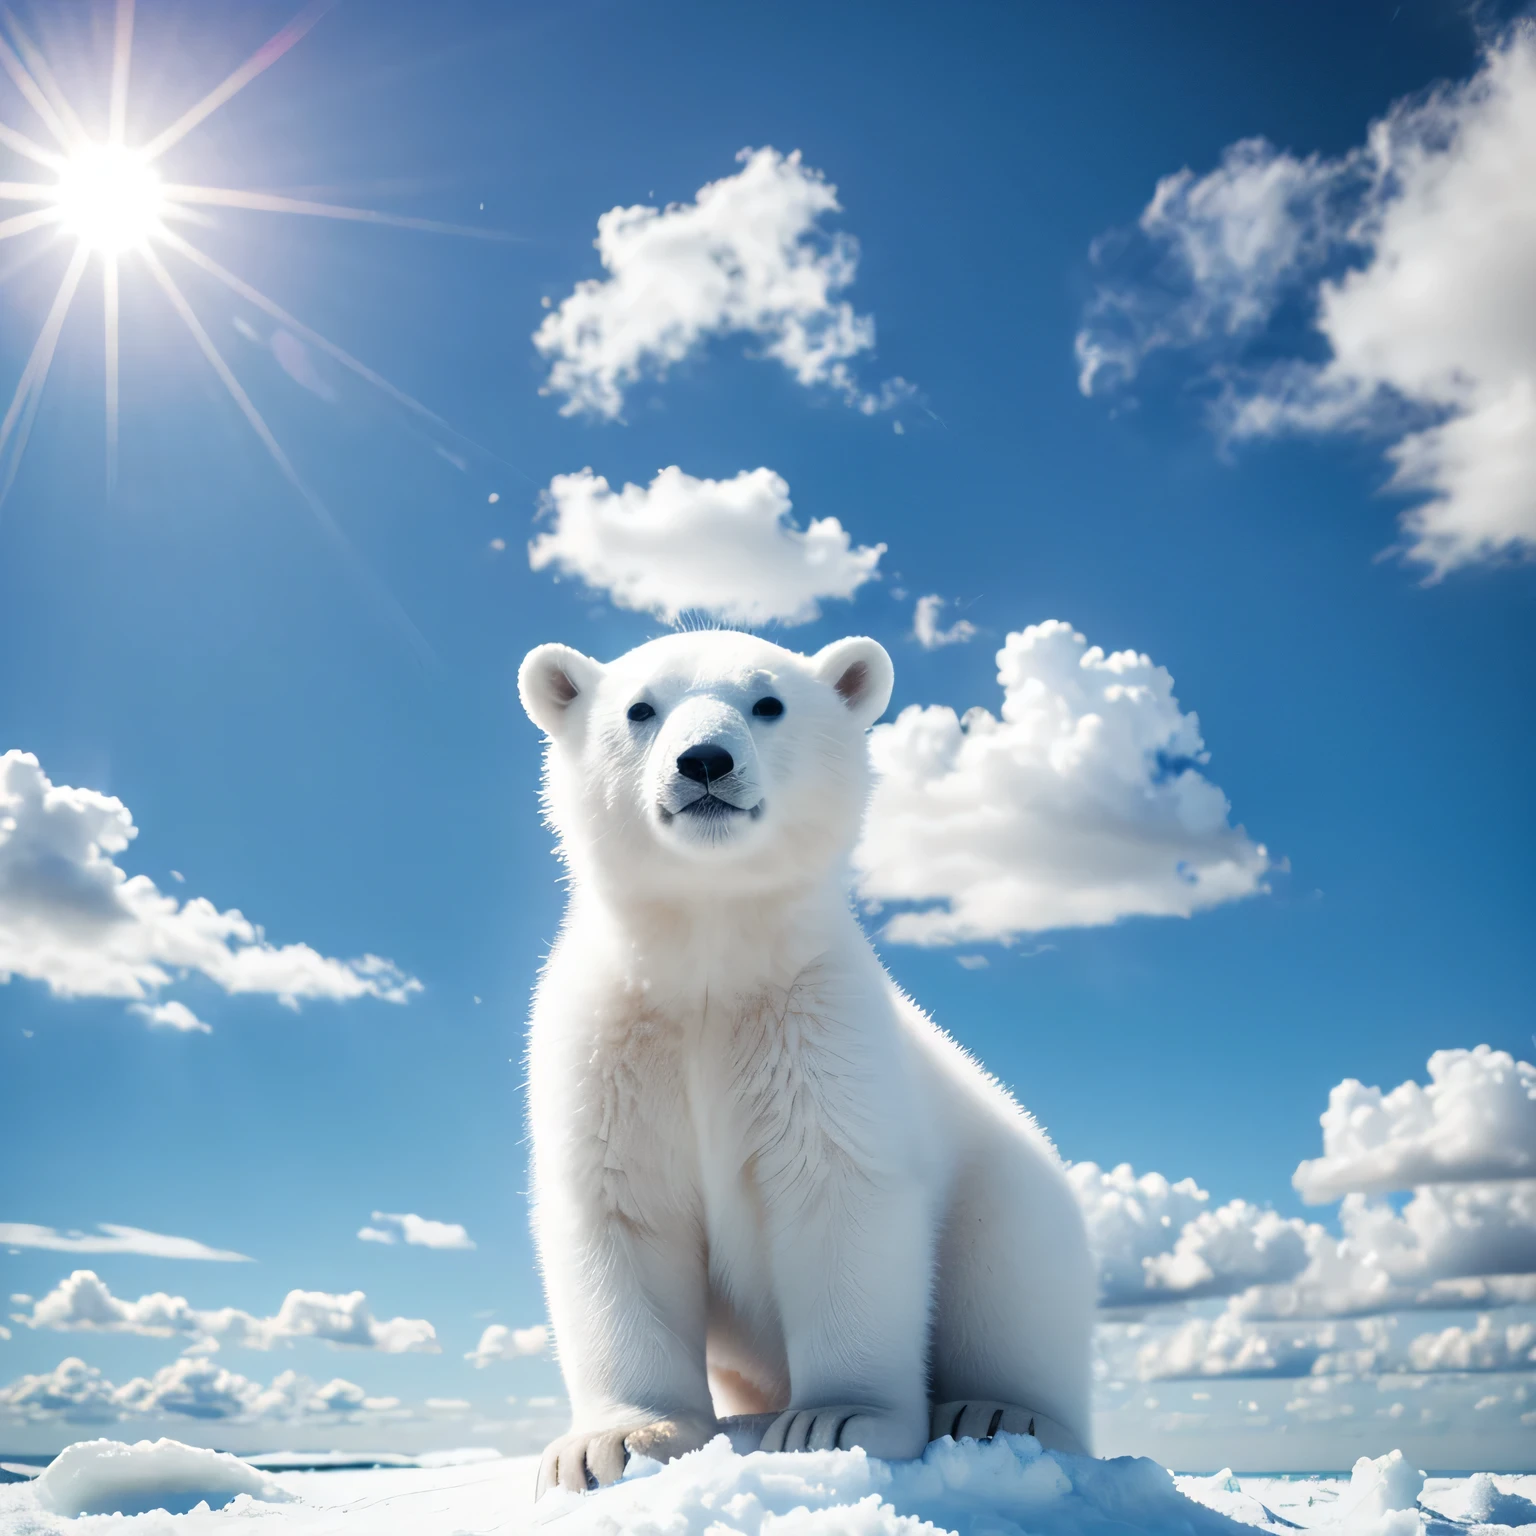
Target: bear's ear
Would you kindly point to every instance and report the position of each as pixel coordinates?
(550, 680)
(861, 672)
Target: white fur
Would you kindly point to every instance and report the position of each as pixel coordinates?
(763, 1179)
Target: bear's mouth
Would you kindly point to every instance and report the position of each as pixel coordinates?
(709, 807)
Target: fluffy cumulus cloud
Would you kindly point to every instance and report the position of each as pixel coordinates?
(1158, 1242)
(78, 1393)
(1303, 1301)
(927, 630)
(1083, 801)
(1488, 1346)
(499, 1342)
(171, 1014)
(727, 548)
(1411, 256)
(750, 256)
(72, 919)
(1475, 1119)
(82, 1302)
(1451, 1246)
(111, 1238)
(416, 1230)
(1231, 1346)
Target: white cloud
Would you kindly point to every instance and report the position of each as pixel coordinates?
(1431, 333)
(724, 547)
(925, 625)
(82, 1302)
(172, 1015)
(1232, 1346)
(72, 1390)
(415, 1230)
(1451, 1246)
(192, 1388)
(1226, 248)
(1159, 1242)
(1476, 1119)
(499, 1342)
(1230, 1248)
(117, 1239)
(1487, 1347)
(1084, 802)
(72, 919)
(750, 257)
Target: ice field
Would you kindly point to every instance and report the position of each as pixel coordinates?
(1007, 1487)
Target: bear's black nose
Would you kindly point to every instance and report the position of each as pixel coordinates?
(705, 763)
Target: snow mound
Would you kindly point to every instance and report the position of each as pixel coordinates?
(1480, 1501)
(1004, 1487)
(107, 1477)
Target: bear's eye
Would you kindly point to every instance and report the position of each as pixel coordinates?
(641, 711)
(768, 708)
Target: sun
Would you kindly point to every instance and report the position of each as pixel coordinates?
(109, 198)
(117, 213)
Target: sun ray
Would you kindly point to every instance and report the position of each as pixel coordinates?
(227, 377)
(104, 193)
(265, 56)
(30, 390)
(30, 89)
(15, 140)
(22, 222)
(258, 424)
(122, 57)
(271, 202)
(271, 307)
(109, 323)
(36, 66)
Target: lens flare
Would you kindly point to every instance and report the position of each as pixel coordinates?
(109, 199)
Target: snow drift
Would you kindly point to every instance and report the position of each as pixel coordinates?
(1009, 1487)
(107, 1477)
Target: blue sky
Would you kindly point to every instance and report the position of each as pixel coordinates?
(329, 740)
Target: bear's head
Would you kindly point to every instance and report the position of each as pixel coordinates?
(706, 764)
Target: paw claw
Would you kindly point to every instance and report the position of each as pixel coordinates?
(842, 1427)
(981, 1419)
(587, 1459)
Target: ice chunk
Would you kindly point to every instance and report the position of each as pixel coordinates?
(1383, 1497)
(1480, 1501)
(107, 1477)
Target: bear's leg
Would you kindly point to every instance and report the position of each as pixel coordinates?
(627, 1303)
(852, 1274)
(1015, 1292)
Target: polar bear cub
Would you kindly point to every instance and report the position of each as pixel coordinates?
(764, 1183)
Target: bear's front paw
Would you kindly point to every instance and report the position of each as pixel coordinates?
(592, 1458)
(981, 1419)
(841, 1428)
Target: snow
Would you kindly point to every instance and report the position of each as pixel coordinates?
(1480, 1501)
(106, 1477)
(1008, 1487)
